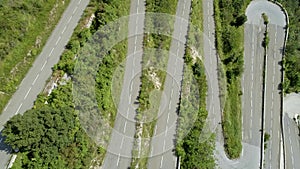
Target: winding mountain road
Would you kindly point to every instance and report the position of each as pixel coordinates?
(36, 78)
(254, 94)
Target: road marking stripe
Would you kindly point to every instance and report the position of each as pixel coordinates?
(155, 130)
(118, 160)
(7, 105)
(161, 161)
(75, 9)
(64, 29)
(166, 131)
(51, 52)
(151, 154)
(70, 18)
(125, 126)
(27, 93)
(19, 108)
(122, 142)
(58, 40)
(127, 112)
(44, 65)
(35, 79)
(79, 2)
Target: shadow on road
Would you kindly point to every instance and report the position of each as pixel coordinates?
(4, 147)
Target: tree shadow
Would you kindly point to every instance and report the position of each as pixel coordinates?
(4, 147)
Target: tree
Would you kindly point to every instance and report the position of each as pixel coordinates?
(239, 21)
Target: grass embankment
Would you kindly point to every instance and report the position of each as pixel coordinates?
(194, 150)
(292, 50)
(154, 64)
(75, 149)
(229, 18)
(25, 28)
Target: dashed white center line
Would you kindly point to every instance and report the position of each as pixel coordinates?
(78, 2)
(27, 93)
(19, 108)
(44, 65)
(127, 112)
(118, 161)
(151, 151)
(122, 142)
(125, 127)
(64, 29)
(70, 18)
(161, 161)
(131, 85)
(168, 117)
(75, 9)
(58, 40)
(51, 52)
(37, 76)
(7, 105)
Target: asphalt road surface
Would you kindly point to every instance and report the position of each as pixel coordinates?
(291, 106)
(162, 143)
(273, 75)
(118, 154)
(211, 66)
(35, 80)
(291, 143)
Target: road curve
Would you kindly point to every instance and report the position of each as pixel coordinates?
(252, 87)
(273, 75)
(36, 78)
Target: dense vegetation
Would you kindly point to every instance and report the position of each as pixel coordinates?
(229, 18)
(51, 135)
(194, 149)
(25, 27)
(154, 62)
(292, 50)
